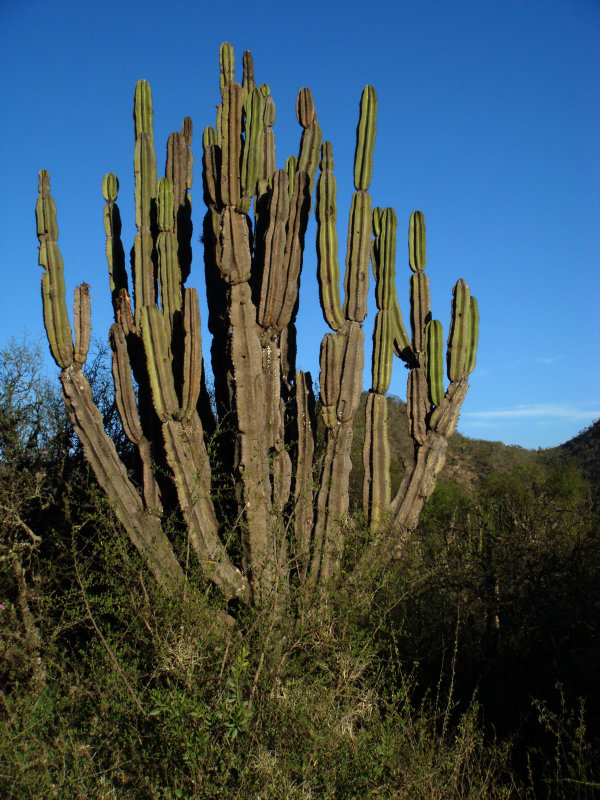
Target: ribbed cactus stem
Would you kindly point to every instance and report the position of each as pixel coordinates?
(365, 139)
(328, 270)
(145, 199)
(385, 289)
(459, 338)
(273, 279)
(434, 361)
(143, 112)
(226, 65)
(312, 137)
(420, 309)
(248, 82)
(83, 323)
(294, 245)
(305, 108)
(376, 460)
(356, 281)
(251, 158)
(383, 351)
(473, 336)
(124, 391)
(211, 164)
(291, 167)
(353, 361)
(115, 254)
(417, 253)
(156, 346)
(331, 367)
(56, 317)
(180, 161)
(231, 134)
(167, 248)
(192, 355)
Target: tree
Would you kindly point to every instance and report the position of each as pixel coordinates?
(35, 439)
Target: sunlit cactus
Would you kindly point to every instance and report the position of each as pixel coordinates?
(284, 520)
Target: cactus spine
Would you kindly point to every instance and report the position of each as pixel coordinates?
(288, 508)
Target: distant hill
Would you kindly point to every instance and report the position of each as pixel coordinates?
(584, 449)
(470, 461)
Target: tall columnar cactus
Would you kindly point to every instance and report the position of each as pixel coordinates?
(288, 509)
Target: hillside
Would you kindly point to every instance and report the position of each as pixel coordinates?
(584, 449)
(470, 461)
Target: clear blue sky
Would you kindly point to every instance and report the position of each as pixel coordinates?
(489, 117)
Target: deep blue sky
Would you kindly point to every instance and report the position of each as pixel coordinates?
(488, 121)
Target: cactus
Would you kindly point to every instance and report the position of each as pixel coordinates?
(287, 507)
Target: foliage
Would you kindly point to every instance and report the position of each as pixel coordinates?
(466, 671)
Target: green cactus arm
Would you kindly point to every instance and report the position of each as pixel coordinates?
(356, 280)
(145, 198)
(291, 167)
(143, 112)
(434, 361)
(383, 260)
(417, 254)
(169, 271)
(272, 284)
(459, 339)
(383, 351)
(331, 366)
(124, 391)
(179, 168)
(192, 354)
(180, 161)
(231, 136)
(305, 108)
(156, 347)
(83, 323)
(417, 404)
(420, 310)
(125, 401)
(294, 245)
(248, 82)
(377, 217)
(267, 160)
(252, 153)
(473, 336)
(227, 66)
(365, 139)
(311, 139)
(270, 111)
(211, 168)
(402, 346)
(56, 317)
(115, 255)
(328, 270)
(386, 286)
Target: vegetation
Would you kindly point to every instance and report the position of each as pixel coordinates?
(252, 594)
(468, 669)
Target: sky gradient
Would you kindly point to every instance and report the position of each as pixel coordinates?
(488, 122)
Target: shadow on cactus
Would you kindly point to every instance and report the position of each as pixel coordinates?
(291, 507)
